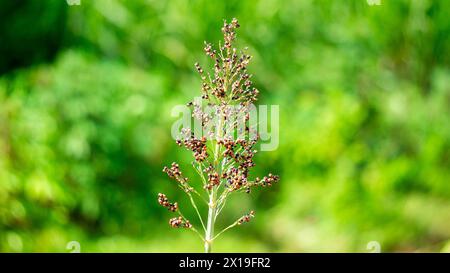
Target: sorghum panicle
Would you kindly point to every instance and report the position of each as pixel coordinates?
(222, 161)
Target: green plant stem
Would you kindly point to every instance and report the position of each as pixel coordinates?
(210, 224)
(198, 212)
(225, 229)
(218, 160)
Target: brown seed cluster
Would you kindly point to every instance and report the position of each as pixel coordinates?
(267, 181)
(229, 31)
(240, 152)
(197, 146)
(235, 178)
(246, 218)
(175, 173)
(229, 145)
(213, 180)
(199, 69)
(163, 201)
(209, 50)
(178, 222)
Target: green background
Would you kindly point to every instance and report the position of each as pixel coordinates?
(85, 99)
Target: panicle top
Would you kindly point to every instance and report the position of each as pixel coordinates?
(229, 83)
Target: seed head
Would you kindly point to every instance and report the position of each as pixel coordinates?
(163, 201)
(223, 161)
(246, 218)
(178, 222)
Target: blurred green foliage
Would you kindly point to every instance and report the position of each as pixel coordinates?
(364, 94)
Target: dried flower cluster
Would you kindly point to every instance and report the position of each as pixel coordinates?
(246, 218)
(175, 173)
(222, 161)
(163, 201)
(178, 222)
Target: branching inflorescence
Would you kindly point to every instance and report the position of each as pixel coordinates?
(224, 153)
